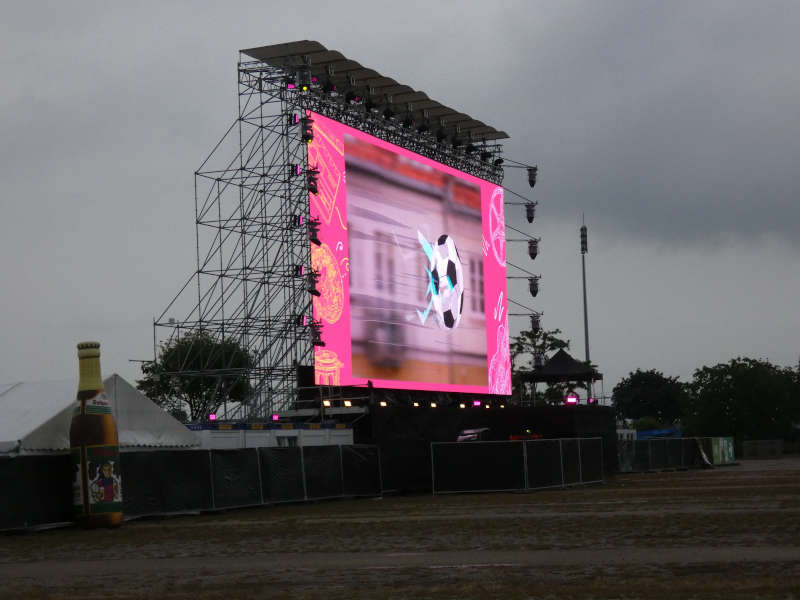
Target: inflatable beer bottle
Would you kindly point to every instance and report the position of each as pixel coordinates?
(96, 485)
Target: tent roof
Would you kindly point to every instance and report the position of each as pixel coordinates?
(37, 416)
(333, 65)
(562, 367)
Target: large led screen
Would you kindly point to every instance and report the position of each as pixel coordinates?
(412, 274)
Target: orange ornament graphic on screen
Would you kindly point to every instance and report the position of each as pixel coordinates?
(329, 305)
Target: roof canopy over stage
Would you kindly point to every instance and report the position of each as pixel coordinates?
(331, 66)
(562, 368)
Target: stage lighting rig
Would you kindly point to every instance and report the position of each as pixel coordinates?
(313, 231)
(498, 161)
(532, 173)
(311, 180)
(536, 322)
(307, 132)
(315, 329)
(533, 285)
(530, 211)
(312, 277)
(533, 248)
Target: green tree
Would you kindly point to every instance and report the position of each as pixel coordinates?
(649, 394)
(746, 398)
(197, 372)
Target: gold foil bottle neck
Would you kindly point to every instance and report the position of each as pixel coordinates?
(89, 367)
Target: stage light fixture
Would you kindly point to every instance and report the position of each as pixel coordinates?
(433, 404)
(326, 403)
(313, 231)
(533, 286)
(533, 249)
(307, 134)
(294, 119)
(530, 211)
(536, 324)
(212, 417)
(571, 399)
(416, 404)
(532, 172)
(476, 403)
(383, 403)
(352, 98)
(592, 400)
(311, 180)
(348, 404)
(312, 279)
(275, 417)
(488, 406)
(370, 106)
(299, 270)
(502, 406)
(462, 405)
(498, 162)
(302, 320)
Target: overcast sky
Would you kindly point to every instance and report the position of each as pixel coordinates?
(673, 126)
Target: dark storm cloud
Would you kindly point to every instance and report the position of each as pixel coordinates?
(668, 121)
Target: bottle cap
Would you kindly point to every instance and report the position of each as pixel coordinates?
(88, 349)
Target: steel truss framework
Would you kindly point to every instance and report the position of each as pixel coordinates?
(253, 271)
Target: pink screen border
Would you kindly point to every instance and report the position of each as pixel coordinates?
(333, 362)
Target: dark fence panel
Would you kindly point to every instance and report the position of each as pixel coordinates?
(165, 481)
(478, 466)
(323, 471)
(361, 471)
(591, 460)
(625, 455)
(235, 477)
(674, 453)
(658, 454)
(142, 483)
(406, 465)
(282, 474)
(641, 455)
(544, 463)
(762, 448)
(571, 461)
(35, 490)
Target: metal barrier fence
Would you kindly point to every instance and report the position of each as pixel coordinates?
(762, 448)
(667, 453)
(36, 490)
(515, 465)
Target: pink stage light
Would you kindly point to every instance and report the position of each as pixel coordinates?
(476, 403)
(592, 400)
(212, 417)
(290, 86)
(571, 398)
(275, 417)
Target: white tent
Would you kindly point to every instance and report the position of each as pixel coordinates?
(35, 417)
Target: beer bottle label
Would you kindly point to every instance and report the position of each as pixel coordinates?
(77, 481)
(98, 405)
(105, 479)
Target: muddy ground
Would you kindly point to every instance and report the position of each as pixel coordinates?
(725, 533)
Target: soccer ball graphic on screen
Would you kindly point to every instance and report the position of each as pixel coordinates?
(446, 281)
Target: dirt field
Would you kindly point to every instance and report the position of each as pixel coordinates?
(726, 533)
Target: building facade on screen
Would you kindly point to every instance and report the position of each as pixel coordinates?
(412, 269)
